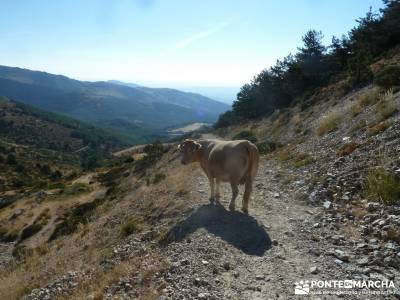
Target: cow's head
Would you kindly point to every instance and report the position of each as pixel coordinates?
(189, 150)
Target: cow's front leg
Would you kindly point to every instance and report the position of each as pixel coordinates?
(212, 189)
(235, 191)
(217, 194)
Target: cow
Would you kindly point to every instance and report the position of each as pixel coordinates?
(235, 162)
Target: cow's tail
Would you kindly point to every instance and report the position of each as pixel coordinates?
(254, 159)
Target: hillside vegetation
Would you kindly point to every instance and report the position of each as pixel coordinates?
(352, 61)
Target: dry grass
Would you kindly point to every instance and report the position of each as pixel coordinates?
(369, 98)
(382, 185)
(355, 109)
(358, 126)
(387, 106)
(377, 128)
(329, 123)
(347, 149)
(296, 120)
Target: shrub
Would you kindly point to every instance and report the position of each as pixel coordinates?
(79, 215)
(302, 160)
(159, 177)
(329, 123)
(153, 153)
(388, 77)
(130, 227)
(245, 135)
(355, 109)
(266, 147)
(76, 188)
(347, 149)
(383, 185)
(387, 105)
(369, 98)
(377, 128)
(11, 160)
(30, 230)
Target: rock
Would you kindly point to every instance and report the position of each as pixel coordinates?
(314, 270)
(204, 262)
(276, 195)
(390, 246)
(361, 246)
(260, 277)
(202, 295)
(274, 242)
(363, 261)
(372, 206)
(391, 261)
(338, 261)
(327, 204)
(317, 225)
(184, 262)
(341, 255)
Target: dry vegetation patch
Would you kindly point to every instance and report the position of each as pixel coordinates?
(387, 106)
(330, 122)
(347, 149)
(382, 185)
(374, 129)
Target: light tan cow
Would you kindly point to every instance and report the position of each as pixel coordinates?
(235, 162)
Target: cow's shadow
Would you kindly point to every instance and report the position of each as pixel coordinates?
(240, 230)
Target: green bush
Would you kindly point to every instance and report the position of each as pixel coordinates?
(245, 135)
(153, 153)
(388, 77)
(266, 147)
(129, 228)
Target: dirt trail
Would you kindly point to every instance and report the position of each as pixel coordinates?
(217, 254)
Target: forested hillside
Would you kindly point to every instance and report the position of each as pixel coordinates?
(348, 60)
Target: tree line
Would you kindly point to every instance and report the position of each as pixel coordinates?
(298, 75)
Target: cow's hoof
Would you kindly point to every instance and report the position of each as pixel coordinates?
(217, 197)
(232, 207)
(212, 200)
(245, 210)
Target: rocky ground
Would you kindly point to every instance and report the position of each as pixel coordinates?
(216, 254)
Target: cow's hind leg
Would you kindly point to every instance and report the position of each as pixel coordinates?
(235, 192)
(217, 194)
(246, 197)
(212, 189)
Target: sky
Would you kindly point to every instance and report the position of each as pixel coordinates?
(185, 43)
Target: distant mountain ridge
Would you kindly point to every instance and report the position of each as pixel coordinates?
(138, 113)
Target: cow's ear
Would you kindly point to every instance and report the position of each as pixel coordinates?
(197, 145)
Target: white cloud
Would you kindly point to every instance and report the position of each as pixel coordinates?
(201, 35)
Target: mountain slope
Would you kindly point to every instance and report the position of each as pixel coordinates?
(134, 112)
(35, 145)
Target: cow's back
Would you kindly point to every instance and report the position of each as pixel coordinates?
(227, 160)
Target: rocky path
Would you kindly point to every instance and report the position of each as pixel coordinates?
(217, 254)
